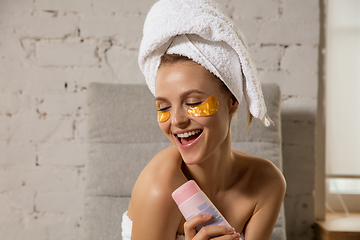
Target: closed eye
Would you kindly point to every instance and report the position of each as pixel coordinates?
(163, 109)
(194, 104)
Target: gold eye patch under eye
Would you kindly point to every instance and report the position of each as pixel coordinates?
(207, 108)
(163, 116)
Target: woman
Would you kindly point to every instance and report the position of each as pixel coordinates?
(198, 84)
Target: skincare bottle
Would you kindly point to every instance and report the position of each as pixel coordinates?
(192, 201)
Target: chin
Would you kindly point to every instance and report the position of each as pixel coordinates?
(192, 158)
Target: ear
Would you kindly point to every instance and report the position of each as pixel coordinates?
(233, 104)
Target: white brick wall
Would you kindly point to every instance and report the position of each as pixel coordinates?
(50, 50)
(51, 53)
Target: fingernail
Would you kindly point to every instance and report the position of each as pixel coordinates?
(236, 235)
(207, 216)
(231, 230)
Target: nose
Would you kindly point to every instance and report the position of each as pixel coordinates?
(180, 118)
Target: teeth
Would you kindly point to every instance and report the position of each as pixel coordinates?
(188, 134)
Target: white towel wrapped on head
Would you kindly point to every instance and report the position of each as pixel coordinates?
(200, 31)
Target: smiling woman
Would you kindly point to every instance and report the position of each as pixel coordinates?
(198, 83)
(180, 86)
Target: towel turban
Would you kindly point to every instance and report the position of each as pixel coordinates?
(199, 30)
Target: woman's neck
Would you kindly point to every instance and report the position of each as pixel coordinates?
(215, 173)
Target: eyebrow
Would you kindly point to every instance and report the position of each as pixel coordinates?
(187, 93)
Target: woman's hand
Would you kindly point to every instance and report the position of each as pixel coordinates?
(224, 232)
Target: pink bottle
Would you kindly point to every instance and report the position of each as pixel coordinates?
(192, 201)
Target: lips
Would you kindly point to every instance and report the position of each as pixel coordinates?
(188, 138)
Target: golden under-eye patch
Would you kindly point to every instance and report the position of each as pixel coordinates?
(207, 108)
(163, 116)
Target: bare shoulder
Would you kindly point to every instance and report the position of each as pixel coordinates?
(262, 175)
(161, 176)
(152, 209)
(164, 167)
(266, 186)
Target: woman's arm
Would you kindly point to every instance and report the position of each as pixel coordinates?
(156, 218)
(272, 187)
(154, 213)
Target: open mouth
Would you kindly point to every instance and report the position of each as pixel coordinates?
(188, 137)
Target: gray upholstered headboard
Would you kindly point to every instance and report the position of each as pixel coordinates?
(124, 135)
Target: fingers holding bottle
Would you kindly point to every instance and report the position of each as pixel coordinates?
(218, 232)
